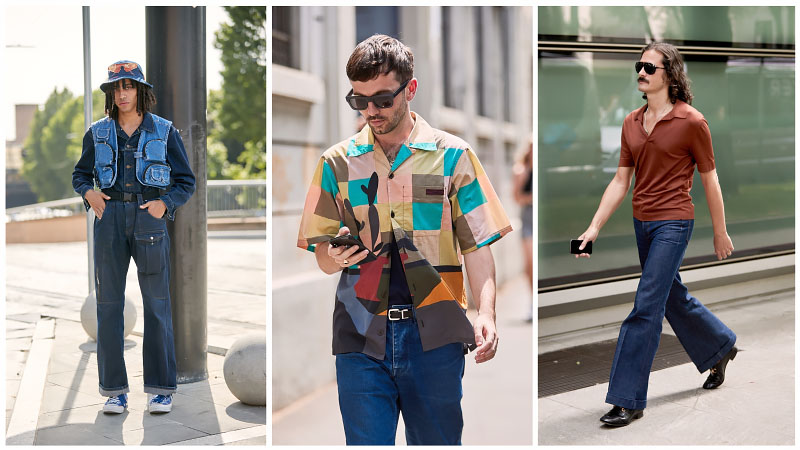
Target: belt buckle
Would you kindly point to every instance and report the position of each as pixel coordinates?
(403, 314)
(127, 197)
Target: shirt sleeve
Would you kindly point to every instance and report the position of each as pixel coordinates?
(701, 148)
(625, 154)
(478, 216)
(181, 176)
(83, 174)
(321, 219)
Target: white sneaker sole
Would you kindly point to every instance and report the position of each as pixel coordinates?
(159, 408)
(113, 409)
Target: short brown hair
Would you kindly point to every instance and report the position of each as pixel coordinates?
(679, 83)
(380, 54)
(145, 99)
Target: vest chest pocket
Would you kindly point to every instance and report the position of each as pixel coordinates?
(155, 171)
(156, 151)
(104, 163)
(157, 174)
(151, 250)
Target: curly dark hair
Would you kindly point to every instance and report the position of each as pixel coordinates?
(145, 99)
(380, 54)
(679, 83)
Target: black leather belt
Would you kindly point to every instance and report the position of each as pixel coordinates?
(399, 314)
(130, 197)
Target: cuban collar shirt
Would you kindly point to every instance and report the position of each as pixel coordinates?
(434, 199)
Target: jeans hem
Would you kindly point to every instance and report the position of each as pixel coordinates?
(114, 392)
(625, 402)
(709, 363)
(159, 390)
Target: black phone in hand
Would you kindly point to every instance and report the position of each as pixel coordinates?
(347, 240)
(575, 243)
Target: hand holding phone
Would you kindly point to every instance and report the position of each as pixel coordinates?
(347, 240)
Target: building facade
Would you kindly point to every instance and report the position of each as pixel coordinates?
(741, 64)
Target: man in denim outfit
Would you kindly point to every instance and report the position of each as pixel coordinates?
(663, 141)
(139, 163)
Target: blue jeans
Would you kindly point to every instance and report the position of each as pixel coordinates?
(125, 231)
(424, 386)
(660, 294)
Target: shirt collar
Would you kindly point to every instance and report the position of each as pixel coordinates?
(420, 138)
(146, 125)
(680, 111)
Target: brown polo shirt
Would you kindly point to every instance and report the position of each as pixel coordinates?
(665, 161)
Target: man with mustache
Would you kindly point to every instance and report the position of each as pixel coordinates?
(138, 161)
(662, 142)
(414, 196)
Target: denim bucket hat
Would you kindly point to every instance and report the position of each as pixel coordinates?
(124, 69)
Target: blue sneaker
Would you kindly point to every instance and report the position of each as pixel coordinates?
(116, 405)
(160, 404)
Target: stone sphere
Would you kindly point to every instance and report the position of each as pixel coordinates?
(89, 316)
(245, 369)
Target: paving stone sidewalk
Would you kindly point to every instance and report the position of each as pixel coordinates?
(755, 405)
(71, 408)
(49, 280)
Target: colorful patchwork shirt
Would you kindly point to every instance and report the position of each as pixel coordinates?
(435, 199)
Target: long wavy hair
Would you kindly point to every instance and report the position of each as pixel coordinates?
(679, 83)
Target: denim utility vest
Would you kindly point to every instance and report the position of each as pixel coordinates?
(151, 156)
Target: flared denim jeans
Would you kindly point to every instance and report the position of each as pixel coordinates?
(126, 231)
(660, 294)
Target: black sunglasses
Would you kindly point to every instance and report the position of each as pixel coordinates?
(361, 102)
(649, 68)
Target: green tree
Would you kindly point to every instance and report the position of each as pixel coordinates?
(54, 144)
(238, 113)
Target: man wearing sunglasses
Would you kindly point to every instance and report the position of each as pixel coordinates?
(138, 161)
(413, 196)
(662, 142)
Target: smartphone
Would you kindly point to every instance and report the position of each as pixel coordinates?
(347, 240)
(575, 243)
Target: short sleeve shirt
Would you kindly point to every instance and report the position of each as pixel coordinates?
(665, 161)
(435, 199)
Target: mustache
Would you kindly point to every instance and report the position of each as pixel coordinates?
(375, 118)
(642, 79)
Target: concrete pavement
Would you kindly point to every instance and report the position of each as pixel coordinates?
(51, 280)
(755, 405)
(498, 395)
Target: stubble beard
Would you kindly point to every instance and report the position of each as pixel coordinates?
(391, 123)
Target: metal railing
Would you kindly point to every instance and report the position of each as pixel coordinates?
(226, 198)
(237, 198)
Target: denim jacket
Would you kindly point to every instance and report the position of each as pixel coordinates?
(132, 164)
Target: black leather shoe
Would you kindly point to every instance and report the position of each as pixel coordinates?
(619, 416)
(717, 375)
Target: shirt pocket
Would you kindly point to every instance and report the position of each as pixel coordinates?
(427, 207)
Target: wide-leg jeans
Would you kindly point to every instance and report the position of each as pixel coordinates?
(127, 231)
(424, 385)
(660, 294)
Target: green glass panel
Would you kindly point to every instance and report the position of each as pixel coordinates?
(724, 24)
(583, 100)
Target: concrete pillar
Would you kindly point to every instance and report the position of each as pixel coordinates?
(176, 67)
